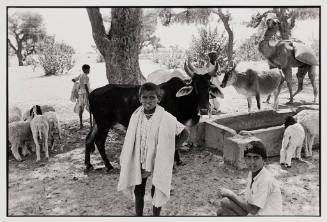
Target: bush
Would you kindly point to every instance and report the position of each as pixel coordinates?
(249, 51)
(173, 59)
(208, 41)
(55, 58)
(32, 60)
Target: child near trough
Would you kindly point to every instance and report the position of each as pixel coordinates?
(292, 143)
(83, 93)
(148, 149)
(263, 195)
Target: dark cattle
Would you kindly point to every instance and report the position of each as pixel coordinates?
(113, 105)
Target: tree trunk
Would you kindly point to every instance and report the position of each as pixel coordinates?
(225, 20)
(285, 30)
(120, 48)
(19, 54)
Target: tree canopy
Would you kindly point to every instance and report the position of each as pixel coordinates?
(25, 29)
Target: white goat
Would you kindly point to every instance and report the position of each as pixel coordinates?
(44, 109)
(309, 119)
(40, 128)
(14, 114)
(20, 135)
(254, 83)
(54, 127)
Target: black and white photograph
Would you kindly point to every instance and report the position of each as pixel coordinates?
(203, 110)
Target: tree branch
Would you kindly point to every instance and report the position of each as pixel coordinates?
(256, 20)
(12, 46)
(225, 20)
(98, 30)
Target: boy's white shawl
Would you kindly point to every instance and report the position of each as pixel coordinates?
(164, 125)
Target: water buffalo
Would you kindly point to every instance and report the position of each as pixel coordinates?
(112, 106)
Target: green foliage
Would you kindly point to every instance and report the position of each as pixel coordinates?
(314, 44)
(307, 13)
(173, 58)
(248, 51)
(208, 41)
(54, 57)
(168, 16)
(25, 29)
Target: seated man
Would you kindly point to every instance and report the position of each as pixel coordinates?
(263, 195)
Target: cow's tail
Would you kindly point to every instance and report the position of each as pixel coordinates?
(90, 138)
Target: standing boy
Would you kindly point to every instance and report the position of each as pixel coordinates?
(263, 195)
(148, 149)
(83, 93)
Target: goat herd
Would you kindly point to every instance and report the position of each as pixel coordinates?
(39, 122)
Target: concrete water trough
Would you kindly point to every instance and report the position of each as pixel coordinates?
(228, 134)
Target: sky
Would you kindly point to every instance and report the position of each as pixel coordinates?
(72, 26)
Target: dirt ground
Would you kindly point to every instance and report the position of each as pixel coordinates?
(59, 186)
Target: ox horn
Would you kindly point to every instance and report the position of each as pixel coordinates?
(190, 66)
(187, 70)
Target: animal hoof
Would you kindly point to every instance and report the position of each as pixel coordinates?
(112, 170)
(180, 163)
(88, 169)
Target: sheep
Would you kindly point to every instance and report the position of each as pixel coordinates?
(292, 143)
(309, 119)
(40, 128)
(44, 109)
(54, 127)
(254, 83)
(14, 114)
(20, 135)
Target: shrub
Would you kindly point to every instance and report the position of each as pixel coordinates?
(249, 51)
(208, 41)
(173, 59)
(32, 60)
(55, 58)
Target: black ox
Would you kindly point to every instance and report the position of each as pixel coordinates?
(112, 106)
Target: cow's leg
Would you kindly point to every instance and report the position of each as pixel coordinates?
(288, 77)
(89, 146)
(177, 158)
(268, 98)
(100, 140)
(249, 99)
(300, 76)
(312, 77)
(257, 97)
(276, 94)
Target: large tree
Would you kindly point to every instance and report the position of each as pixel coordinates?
(201, 16)
(25, 29)
(120, 47)
(286, 16)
